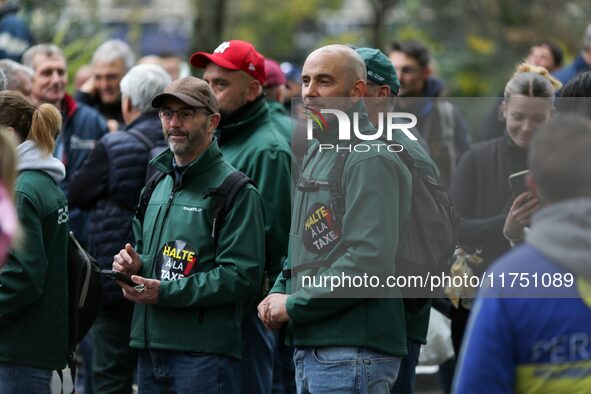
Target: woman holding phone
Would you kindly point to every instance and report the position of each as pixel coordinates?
(480, 189)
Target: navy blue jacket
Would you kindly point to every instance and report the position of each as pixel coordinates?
(81, 128)
(109, 185)
(569, 72)
(15, 37)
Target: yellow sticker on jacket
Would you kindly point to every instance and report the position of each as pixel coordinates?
(321, 230)
(177, 260)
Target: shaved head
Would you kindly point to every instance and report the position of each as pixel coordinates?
(333, 71)
(351, 64)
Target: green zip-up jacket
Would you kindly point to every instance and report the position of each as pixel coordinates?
(204, 291)
(377, 189)
(34, 281)
(250, 142)
(280, 116)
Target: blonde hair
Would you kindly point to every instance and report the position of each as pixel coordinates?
(45, 127)
(7, 160)
(532, 81)
(41, 125)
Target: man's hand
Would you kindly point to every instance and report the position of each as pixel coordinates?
(127, 261)
(149, 294)
(272, 311)
(89, 87)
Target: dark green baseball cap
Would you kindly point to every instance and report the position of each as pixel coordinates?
(379, 68)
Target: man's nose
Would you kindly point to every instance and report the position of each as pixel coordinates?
(175, 120)
(310, 91)
(55, 77)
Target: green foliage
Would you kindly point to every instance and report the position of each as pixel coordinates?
(275, 27)
(77, 38)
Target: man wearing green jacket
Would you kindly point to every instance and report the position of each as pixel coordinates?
(348, 344)
(193, 291)
(383, 85)
(251, 141)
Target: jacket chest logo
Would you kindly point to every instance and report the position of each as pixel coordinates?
(177, 260)
(321, 229)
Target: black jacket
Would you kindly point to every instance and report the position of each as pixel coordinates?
(109, 184)
(480, 191)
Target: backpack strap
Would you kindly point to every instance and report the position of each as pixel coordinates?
(222, 199)
(338, 167)
(140, 211)
(142, 137)
(289, 272)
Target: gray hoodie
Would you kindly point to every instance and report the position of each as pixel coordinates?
(30, 157)
(562, 232)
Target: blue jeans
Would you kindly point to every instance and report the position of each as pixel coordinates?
(257, 355)
(165, 371)
(343, 370)
(405, 384)
(16, 379)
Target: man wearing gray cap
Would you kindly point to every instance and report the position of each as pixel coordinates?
(196, 275)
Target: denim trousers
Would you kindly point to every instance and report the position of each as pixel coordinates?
(165, 371)
(344, 370)
(17, 379)
(257, 355)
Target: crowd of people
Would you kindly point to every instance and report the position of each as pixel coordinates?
(194, 188)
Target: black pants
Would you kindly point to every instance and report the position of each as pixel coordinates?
(459, 320)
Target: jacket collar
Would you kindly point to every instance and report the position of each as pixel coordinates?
(560, 231)
(69, 106)
(244, 118)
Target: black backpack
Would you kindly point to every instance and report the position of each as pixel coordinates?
(223, 198)
(430, 238)
(84, 297)
(154, 149)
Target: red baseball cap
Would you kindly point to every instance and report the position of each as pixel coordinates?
(234, 55)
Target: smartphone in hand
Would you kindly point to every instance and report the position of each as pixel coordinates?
(116, 275)
(517, 183)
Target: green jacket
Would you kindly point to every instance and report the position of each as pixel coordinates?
(282, 118)
(34, 281)
(376, 187)
(250, 142)
(204, 290)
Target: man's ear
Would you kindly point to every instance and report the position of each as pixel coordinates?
(253, 90)
(213, 121)
(126, 103)
(358, 88)
(384, 91)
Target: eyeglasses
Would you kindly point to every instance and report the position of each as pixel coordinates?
(184, 114)
(408, 69)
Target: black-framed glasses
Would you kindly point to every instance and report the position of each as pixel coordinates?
(184, 114)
